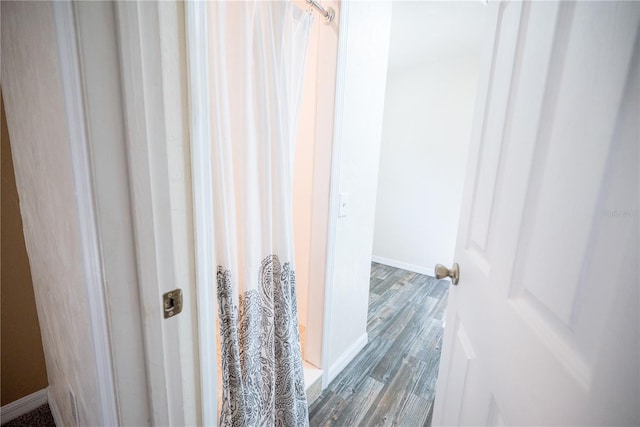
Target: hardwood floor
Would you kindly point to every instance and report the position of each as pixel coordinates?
(392, 380)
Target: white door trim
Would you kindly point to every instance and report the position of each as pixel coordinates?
(85, 202)
(334, 192)
(428, 271)
(141, 72)
(200, 130)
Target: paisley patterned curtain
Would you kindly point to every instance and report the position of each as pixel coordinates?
(257, 54)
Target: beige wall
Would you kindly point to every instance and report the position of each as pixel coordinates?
(303, 177)
(23, 368)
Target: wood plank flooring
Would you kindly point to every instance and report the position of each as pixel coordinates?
(392, 381)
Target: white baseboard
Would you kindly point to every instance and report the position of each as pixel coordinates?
(344, 360)
(22, 406)
(55, 411)
(403, 265)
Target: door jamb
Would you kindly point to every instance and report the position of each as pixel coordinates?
(334, 191)
(139, 37)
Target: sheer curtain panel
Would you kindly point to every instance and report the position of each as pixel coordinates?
(257, 56)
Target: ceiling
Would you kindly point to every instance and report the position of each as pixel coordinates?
(421, 30)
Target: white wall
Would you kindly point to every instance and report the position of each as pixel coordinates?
(359, 113)
(427, 124)
(32, 90)
(425, 137)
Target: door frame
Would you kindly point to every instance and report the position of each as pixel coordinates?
(75, 95)
(95, 286)
(328, 374)
(140, 31)
(140, 36)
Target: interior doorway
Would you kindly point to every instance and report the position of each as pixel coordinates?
(340, 163)
(433, 67)
(433, 70)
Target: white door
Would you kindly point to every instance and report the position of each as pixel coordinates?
(543, 326)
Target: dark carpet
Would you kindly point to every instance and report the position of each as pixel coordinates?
(40, 417)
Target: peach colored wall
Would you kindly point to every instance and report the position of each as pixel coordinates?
(303, 176)
(312, 178)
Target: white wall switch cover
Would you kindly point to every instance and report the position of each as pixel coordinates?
(344, 205)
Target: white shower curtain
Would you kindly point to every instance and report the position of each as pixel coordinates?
(257, 54)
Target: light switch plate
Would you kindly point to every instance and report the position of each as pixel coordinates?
(343, 210)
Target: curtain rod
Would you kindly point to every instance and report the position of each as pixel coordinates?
(328, 13)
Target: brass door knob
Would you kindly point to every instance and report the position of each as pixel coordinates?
(454, 273)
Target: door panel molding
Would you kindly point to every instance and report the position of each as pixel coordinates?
(548, 295)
